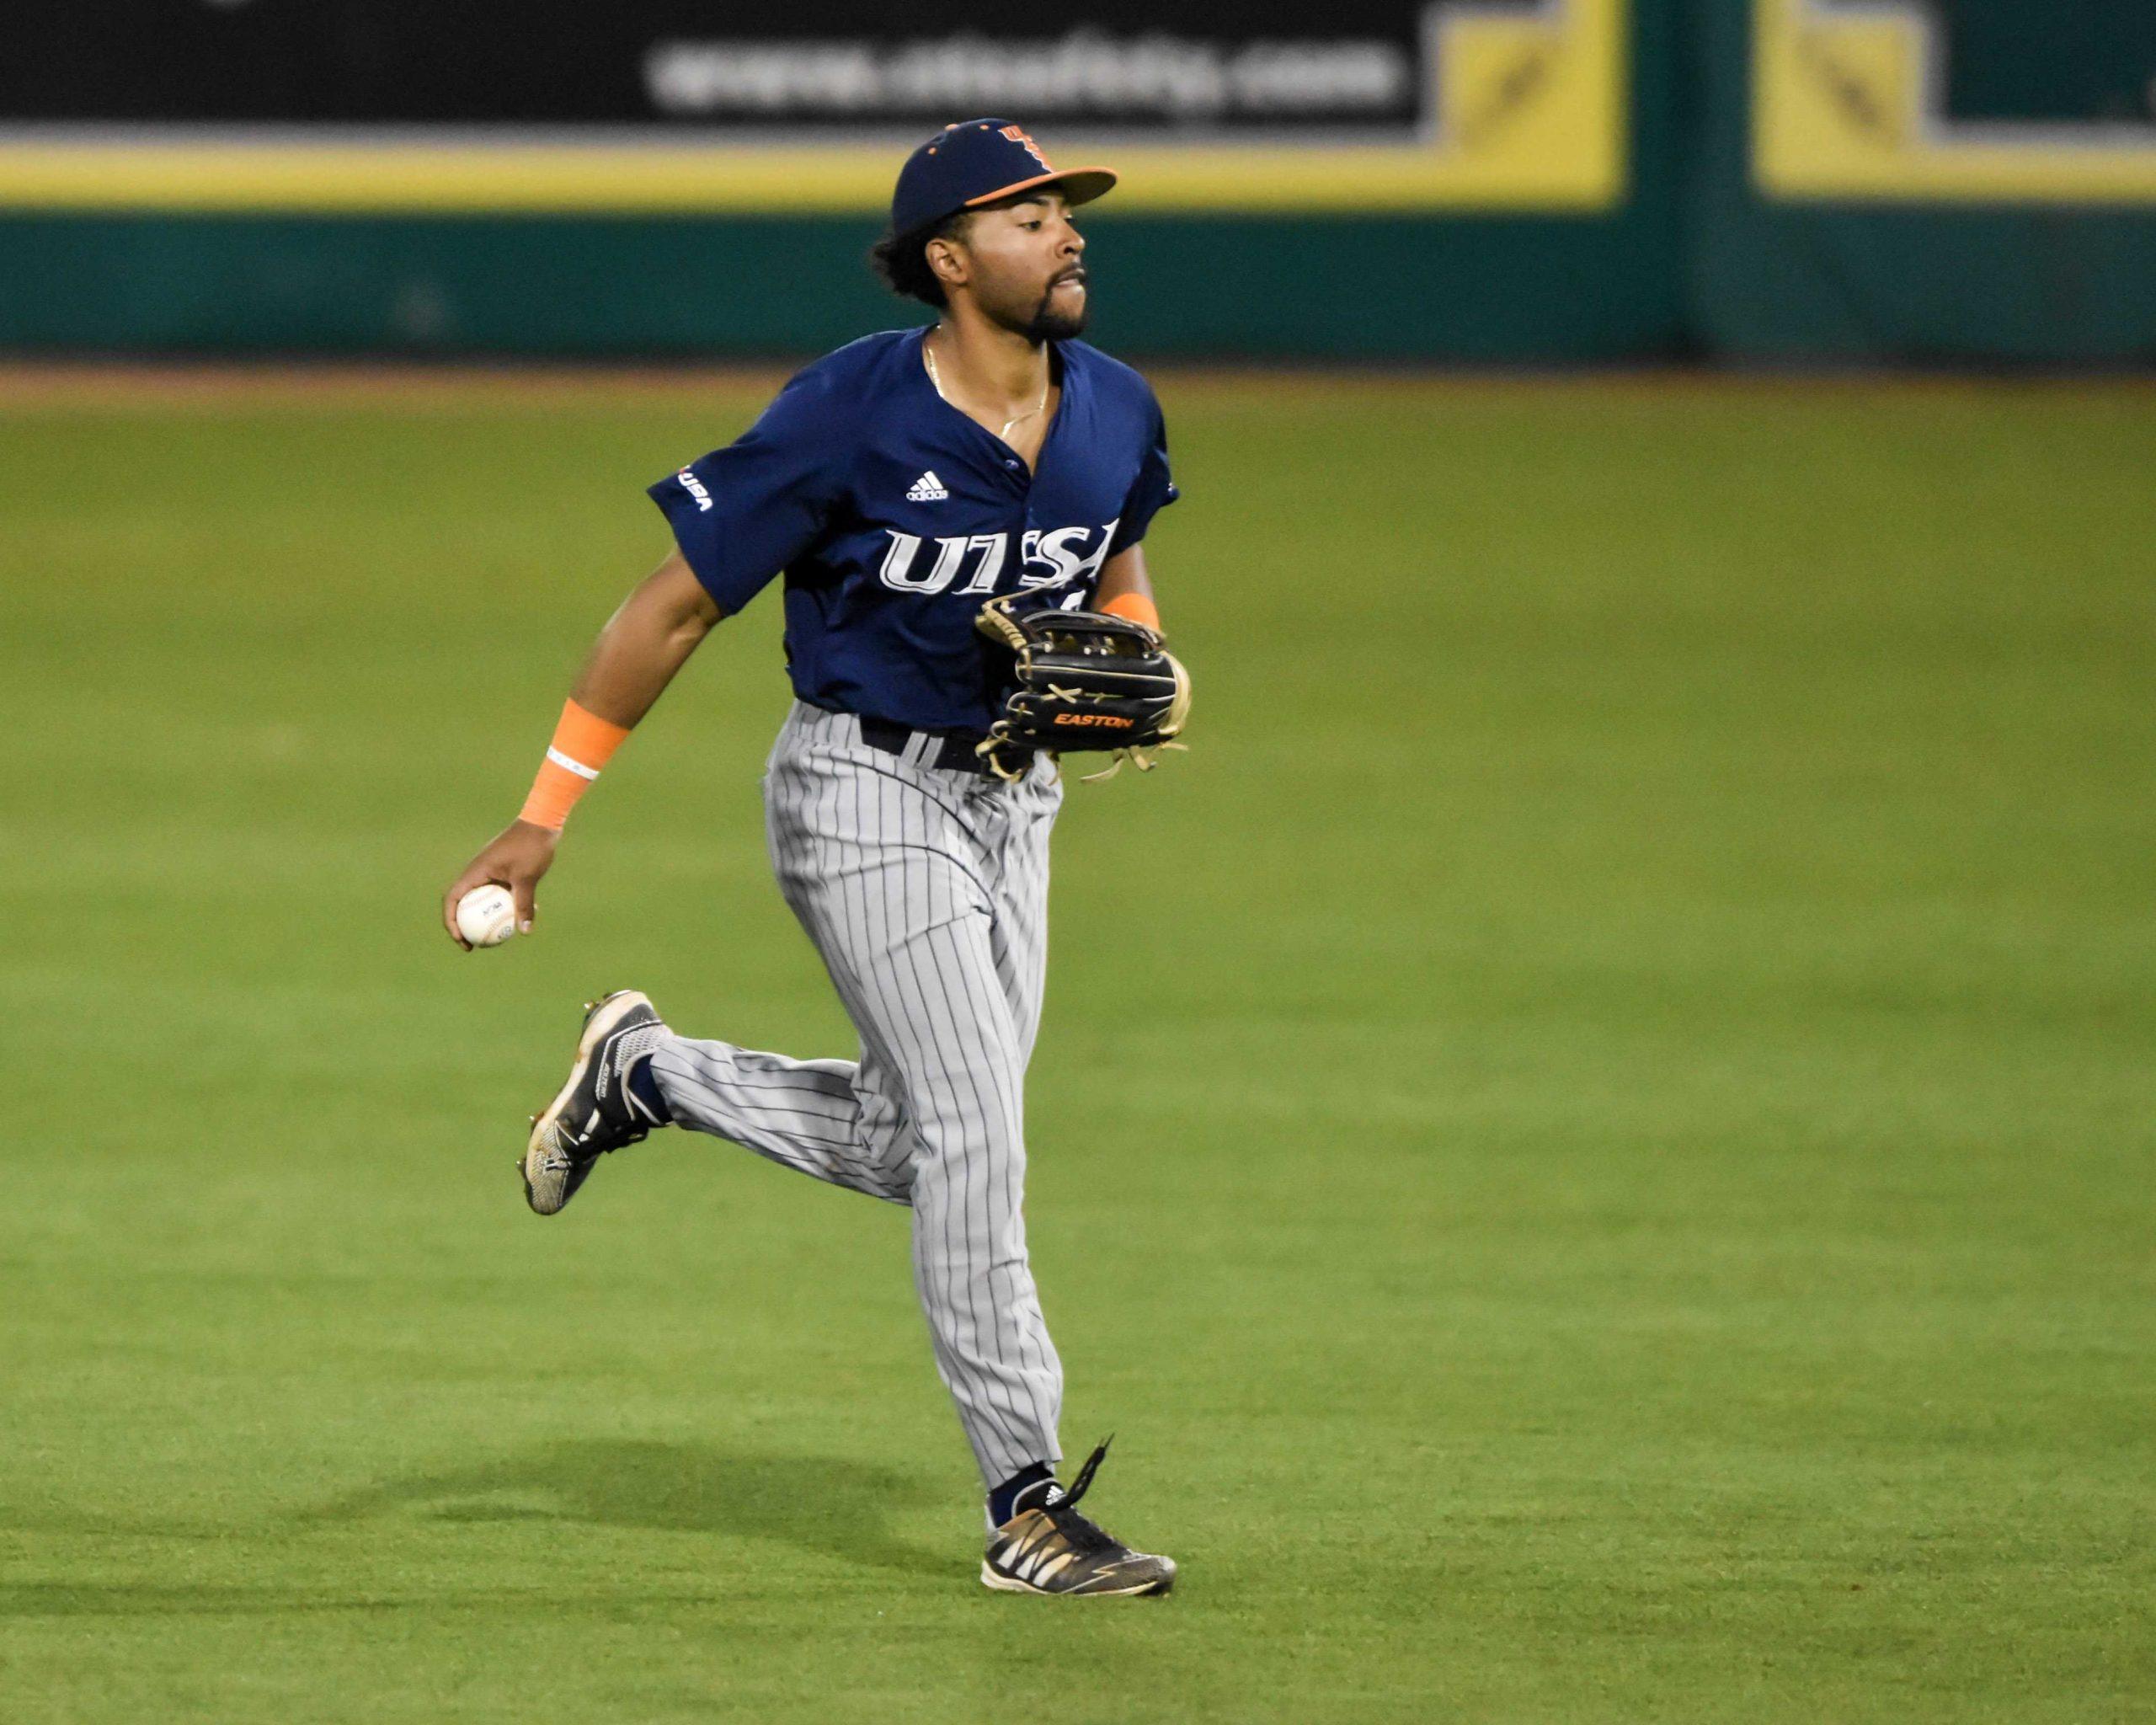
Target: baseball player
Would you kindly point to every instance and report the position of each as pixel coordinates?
(931, 496)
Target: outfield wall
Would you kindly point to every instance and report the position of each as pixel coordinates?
(1519, 180)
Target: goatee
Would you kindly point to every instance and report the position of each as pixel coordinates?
(1048, 325)
(1054, 326)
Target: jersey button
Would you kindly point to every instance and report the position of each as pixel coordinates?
(1012, 463)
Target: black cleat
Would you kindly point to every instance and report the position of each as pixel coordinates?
(1050, 1548)
(594, 1113)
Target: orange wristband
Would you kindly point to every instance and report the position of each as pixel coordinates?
(1137, 607)
(583, 742)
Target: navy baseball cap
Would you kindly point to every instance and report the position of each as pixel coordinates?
(974, 162)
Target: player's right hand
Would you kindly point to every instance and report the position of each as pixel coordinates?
(515, 857)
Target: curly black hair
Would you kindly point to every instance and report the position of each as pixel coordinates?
(901, 259)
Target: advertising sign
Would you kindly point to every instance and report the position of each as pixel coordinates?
(677, 105)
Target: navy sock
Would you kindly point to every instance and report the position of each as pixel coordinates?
(1003, 1502)
(645, 1096)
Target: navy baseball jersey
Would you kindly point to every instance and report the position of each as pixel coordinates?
(894, 518)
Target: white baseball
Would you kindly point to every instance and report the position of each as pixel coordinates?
(486, 915)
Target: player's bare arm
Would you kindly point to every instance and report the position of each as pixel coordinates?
(1125, 576)
(645, 643)
(638, 654)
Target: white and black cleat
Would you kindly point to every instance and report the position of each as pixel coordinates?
(594, 1111)
(1048, 1547)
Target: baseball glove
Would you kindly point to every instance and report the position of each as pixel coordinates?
(1081, 680)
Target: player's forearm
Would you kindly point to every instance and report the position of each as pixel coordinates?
(1126, 588)
(644, 644)
(1124, 572)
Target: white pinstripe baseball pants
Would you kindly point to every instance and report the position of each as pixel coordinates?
(926, 891)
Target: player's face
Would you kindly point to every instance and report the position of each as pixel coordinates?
(1026, 273)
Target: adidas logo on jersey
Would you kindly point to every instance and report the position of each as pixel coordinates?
(927, 488)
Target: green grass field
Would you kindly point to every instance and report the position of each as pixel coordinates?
(1593, 1139)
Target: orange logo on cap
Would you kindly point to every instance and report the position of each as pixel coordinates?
(1018, 135)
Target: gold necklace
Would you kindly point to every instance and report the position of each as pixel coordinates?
(936, 378)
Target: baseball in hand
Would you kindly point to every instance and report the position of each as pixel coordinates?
(486, 915)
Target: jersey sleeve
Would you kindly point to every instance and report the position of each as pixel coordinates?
(742, 514)
(1153, 491)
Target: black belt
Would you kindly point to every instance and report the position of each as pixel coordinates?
(957, 753)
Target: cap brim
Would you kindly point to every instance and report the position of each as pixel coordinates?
(1079, 185)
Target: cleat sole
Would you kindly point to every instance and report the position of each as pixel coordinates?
(995, 1580)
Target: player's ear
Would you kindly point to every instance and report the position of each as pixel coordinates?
(945, 262)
